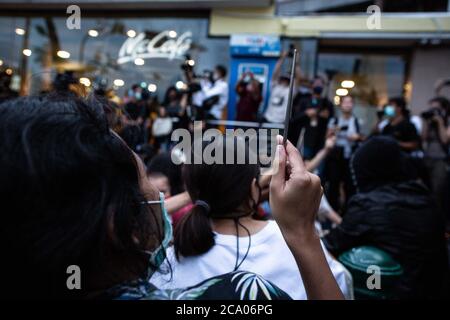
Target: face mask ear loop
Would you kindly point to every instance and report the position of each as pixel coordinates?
(248, 248)
(255, 203)
(237, 243)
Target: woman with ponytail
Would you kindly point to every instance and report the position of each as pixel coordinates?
(221, 233)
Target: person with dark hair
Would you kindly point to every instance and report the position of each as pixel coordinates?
(249, 90)
(221, 234)
(398, 125)
(162, 164)
(394, 212)
(311, 113)
(85, 222)
(436, 141)
(175, 107)
(63, 81)
(5, 87)
(166, 176)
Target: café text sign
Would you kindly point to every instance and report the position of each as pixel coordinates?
(163, 45)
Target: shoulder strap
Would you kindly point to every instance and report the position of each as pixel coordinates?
(356, 124)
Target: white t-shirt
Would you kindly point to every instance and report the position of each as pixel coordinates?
(220, 88)
(278, 101)
(269, 256)
(347, 128)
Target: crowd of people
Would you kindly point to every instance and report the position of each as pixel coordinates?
(91, 182)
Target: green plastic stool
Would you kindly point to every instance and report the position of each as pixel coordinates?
(358, 260)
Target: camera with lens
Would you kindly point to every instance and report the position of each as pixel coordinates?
(188, 64)
(427, 115)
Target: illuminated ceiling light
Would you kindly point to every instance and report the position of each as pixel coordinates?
(172, 34)
(9, 71)
(341, 92)
(85, 81)
(347, 84)
(1, 62)
(131, 33)
(63, 54)
(152, 87)
(119, 82)
(180, 85)
(20, 31)
(191, 63)
(143, 84)
(27, 52)
(93, 33)
(139, 61)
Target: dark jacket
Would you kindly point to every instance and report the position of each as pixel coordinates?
(402, 220)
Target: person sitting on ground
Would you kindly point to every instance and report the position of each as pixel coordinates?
(83, 215)
(221, 234)
(396, 213)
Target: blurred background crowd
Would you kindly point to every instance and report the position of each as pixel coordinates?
(371, 110)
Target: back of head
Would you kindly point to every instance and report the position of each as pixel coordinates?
(219, 191)
(400, 102)
(66, 180)
(222, 70)
(162, 164)
(378, 162)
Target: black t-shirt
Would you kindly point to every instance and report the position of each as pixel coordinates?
(303, 102)
(403, 131)
(314, 138)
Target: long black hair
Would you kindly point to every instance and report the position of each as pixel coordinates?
(219, 191)
(71, 196)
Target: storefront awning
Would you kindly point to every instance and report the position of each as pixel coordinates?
(131, 4)
(393, 26)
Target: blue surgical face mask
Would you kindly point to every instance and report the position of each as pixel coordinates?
(159, 254)
(389, 111)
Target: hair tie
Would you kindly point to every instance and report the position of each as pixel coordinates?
(202, 204)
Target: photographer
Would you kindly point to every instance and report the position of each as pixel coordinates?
(435, 136)
(215, 95)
